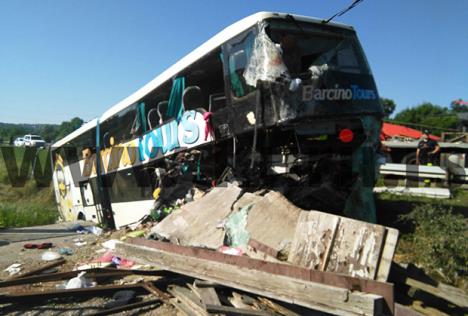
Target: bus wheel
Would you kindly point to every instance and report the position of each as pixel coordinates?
(409, 159)
(81, 217)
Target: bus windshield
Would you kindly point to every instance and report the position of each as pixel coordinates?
(307, 45)
(319, 69)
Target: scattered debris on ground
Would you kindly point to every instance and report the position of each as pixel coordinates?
(228, 252)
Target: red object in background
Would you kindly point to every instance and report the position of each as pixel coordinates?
(393, 130)
(346, 135)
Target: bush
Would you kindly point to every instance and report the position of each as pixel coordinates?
(439, 243)
(26, 214)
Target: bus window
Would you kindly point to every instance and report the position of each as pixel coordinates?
(118, 129)
(156, 104)
(239, 52)
(205, 84)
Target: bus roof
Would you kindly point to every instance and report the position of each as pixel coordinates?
(210, 45)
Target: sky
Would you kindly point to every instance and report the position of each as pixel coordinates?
(61, 59)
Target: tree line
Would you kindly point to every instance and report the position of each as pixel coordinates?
(49, 132)
(426, 115)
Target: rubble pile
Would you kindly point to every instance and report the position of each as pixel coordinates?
(230, 252)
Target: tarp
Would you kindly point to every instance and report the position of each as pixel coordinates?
(393, 130)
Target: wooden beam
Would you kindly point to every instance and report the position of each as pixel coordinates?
(189, 299)
(40, 295)
(127, 307)
(91, 273)
(252, 278)
(229, 310)
(43, 268)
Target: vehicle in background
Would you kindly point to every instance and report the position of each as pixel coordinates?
(34, 141)
(19, 142)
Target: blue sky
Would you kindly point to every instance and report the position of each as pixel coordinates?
(62, 58)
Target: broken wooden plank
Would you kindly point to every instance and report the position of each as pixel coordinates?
(401, 310)
(190, 300)
(43, 268)
(386, 257)
(228, 310)
(127, 307)
(207, 295)
(278, 309)
(417, 279)
(196, 223)
(258, 246)
(155, 291)
(39, 295)
(356, 249)
(449, 293)
(90, 273)
(271, 214)
(313, 240)
(252, 278)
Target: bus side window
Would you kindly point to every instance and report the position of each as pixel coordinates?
(156, 104)
(205, 84)
(239, 52)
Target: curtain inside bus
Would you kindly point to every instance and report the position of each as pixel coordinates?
(175, 108)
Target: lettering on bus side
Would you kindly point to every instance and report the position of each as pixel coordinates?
(164, 140)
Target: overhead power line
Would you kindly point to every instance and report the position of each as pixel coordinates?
(340, 13)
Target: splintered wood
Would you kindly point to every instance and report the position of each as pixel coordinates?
(279, 230)
(328, 242)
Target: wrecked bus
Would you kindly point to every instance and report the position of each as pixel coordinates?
(274, 100)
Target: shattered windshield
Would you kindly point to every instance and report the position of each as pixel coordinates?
(320, 69)
(309, 46)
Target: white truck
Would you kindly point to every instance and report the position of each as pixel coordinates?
(33, 141)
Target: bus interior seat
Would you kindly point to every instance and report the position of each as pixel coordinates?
(162, 109)
(152, 120)
(217, 101)
(106, 140)
(192, 98)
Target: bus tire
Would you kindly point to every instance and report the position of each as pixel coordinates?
(409, 159)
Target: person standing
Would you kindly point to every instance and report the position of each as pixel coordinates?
(427, 151)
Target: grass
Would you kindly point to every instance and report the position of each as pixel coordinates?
(29, 205)
(433, 233)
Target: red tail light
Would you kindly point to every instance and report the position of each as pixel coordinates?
(346, 135)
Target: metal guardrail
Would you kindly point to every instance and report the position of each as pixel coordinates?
(418, 171)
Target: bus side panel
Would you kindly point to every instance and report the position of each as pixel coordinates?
(127, 213)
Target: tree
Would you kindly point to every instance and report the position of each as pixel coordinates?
(459, 106)
(49, 132)
(69, 126)
(388, 106)
(428, 115)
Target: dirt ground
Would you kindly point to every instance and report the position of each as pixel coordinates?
(30, 259)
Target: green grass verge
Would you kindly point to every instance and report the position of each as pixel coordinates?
(30, 204)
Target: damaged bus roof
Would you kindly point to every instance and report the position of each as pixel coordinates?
(213, 43)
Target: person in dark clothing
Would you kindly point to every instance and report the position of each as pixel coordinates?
(427, 151)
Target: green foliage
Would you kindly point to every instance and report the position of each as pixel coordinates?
(50, 132)
(28, 205)
(26, 214)
(388, 106)
(459, 106)
(428, 115)
(439, 243)
(69, 126)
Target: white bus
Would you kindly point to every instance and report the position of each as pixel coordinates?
(273, 98)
